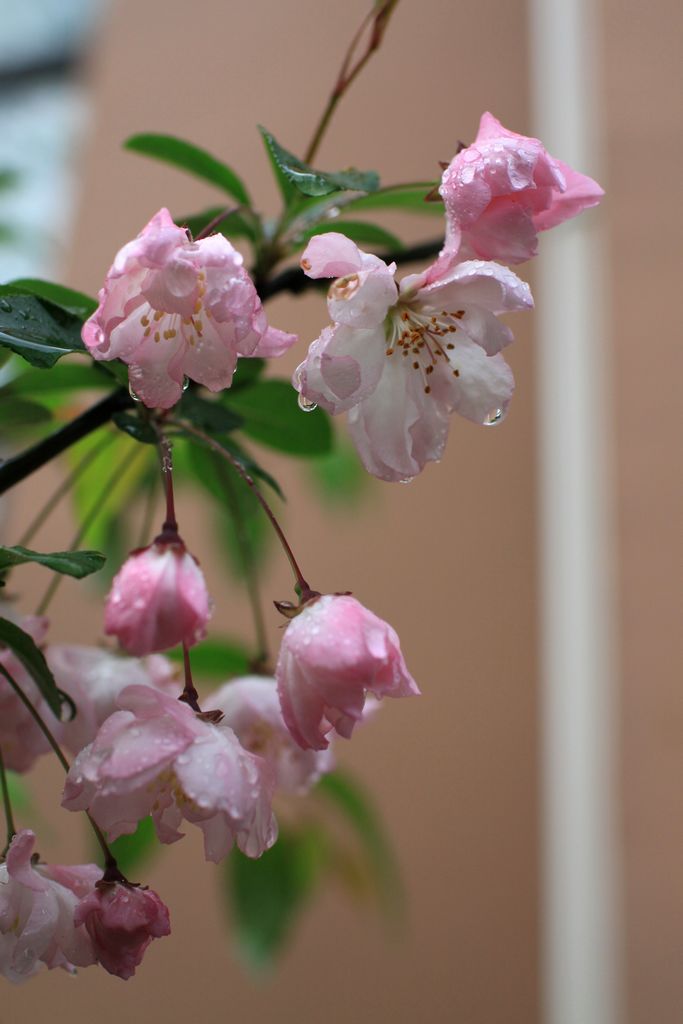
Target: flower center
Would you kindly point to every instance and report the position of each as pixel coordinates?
(426, 337)
(165, 325)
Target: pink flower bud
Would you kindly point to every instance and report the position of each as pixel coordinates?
(158, 599)
(332, 654)
(122, 920)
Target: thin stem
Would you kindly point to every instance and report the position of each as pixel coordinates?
(62, 490)
(88, 520)
(303, 586)
(216, 221)
(189, 694)
(379, 19)
(7, 804)
(170, 526)
(16, 469)
(148, 518)
(111, 871)
(249, 565)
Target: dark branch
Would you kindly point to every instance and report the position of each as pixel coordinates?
(16, 469)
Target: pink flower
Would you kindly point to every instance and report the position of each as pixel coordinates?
(158, 599)
(400, 359)
(94, 678)
(37, 925)
(504, 188)
(21, 741)
(155, 756)
(122, 920)
(252, 709)
(333, 653)
(172, 308)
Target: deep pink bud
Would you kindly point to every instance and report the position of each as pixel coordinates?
(122, 920)
(332, 654)
(158, 599)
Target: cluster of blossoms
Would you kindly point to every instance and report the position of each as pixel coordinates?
(399, 358)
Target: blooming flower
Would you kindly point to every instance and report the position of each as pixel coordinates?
(121, 921)
(158, 599)
(21, 741)
(252, 709)
(401, 358)
(172, 308)
(156, 756)
(94, 678)
(37, 913)
(332, 654)
(505, 188)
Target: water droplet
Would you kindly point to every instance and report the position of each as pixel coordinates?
(133, 395)
(493, 418)
(305, 404)
(407, 480)
(24, 314)
(5, 306)
(186, 383)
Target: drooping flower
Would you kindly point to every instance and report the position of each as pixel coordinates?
(505, 188)
(21, 741)
(173, 308)
(122, 920)
(37, 926)
(156, 756)
(252, 709)
(400, 359)
(94, 678)
(158, 599)
(333, 653)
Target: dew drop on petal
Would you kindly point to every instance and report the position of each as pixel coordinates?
(133, 395)
(305, 404)
(493, 418)
(186, 383)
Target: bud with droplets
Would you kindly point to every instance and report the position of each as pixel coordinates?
(121, 920)
(158, 599)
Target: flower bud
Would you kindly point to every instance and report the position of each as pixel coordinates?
(158, 599)
(122, 919)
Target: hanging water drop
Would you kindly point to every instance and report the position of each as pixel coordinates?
(493, 418)
(186, 383)
(133, 395)
(305, 404)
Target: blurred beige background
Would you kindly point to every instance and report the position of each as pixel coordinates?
(451, 560)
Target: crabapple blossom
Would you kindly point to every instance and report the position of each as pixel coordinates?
(158, 599)
(121, 920)
(21, 741)
(37, 907)
(400, 359)
(505, 188)
(93, 678)
(156, 756)
(252, 709)
(173, 308)
(333, 653)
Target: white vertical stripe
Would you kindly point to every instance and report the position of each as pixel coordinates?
(580, 970)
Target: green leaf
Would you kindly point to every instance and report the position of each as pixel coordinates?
(136, 426)
(8, 178)
(273, 417)
(209, 415)
(355, 806)
(357, 230)
(406, 198)
(190, 158)
(134, 850)
(310, 182)
(66, 298)
(31, 657)
(63, 377)
(70, 563)
(16, 413)
(218, 658)
(339, 477)
(248, 370)
(18, 791)
(236, 225)
(38, 331)
(266, 895)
